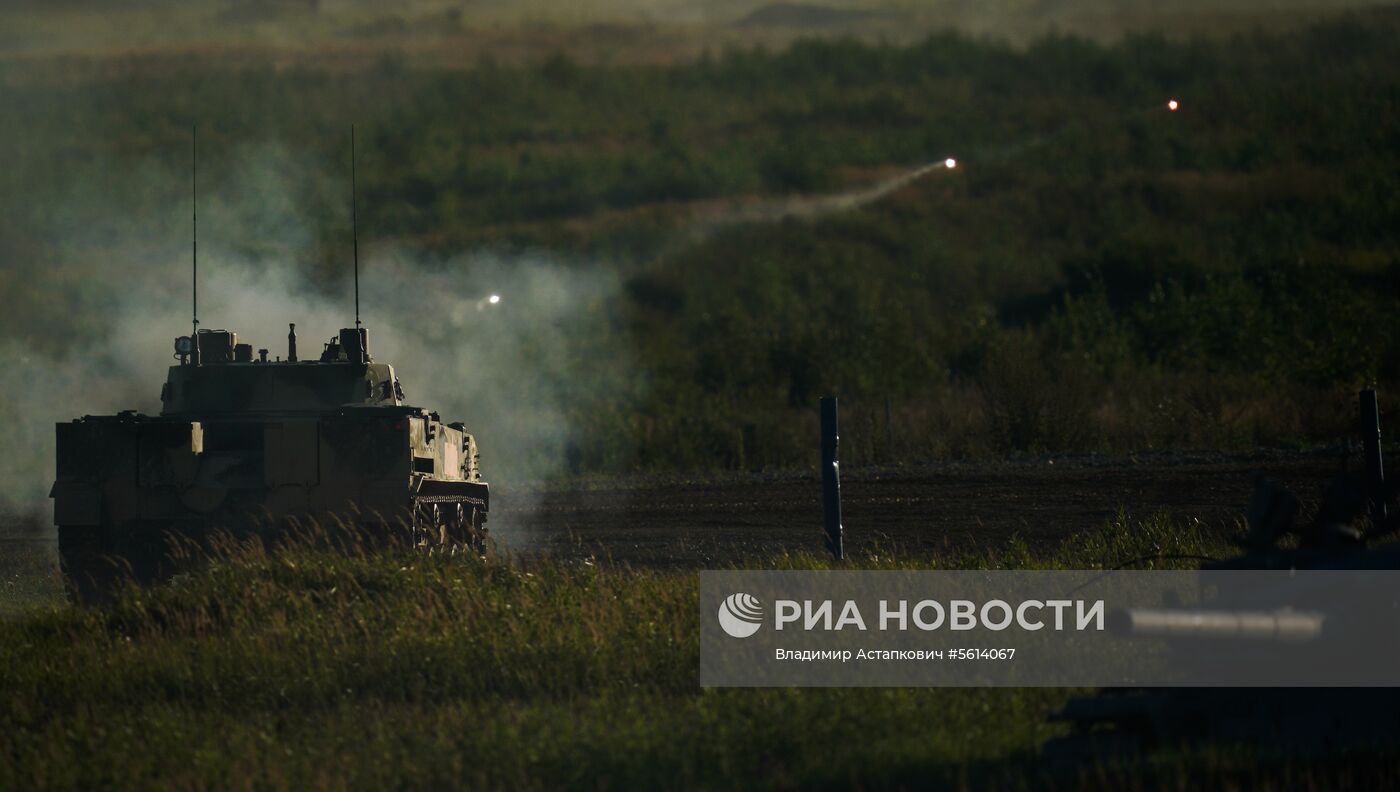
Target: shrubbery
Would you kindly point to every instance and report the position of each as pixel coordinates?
(1100, 274)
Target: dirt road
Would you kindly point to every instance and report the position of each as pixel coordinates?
(669, 521)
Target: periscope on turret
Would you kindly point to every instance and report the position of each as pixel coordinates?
(243, 443)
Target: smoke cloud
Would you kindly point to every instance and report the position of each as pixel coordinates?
(507, 370)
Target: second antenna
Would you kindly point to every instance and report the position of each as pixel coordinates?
(354, 230)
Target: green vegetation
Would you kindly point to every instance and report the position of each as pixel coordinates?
(297, 668)
(1099, 275)
(454, 32)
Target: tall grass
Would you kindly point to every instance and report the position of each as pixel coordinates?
(295, 667)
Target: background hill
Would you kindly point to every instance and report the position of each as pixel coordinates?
(686, 250)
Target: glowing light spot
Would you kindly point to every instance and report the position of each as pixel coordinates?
(493, 299)
(950, 163)
(1172, 105)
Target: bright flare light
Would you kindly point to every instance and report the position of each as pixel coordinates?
(1172, 105)
(493, 299)
(950, 163)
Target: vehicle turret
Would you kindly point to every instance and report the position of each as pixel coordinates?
(247, 444)
(228, 379)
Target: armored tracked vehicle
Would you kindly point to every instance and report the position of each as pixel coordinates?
(246, 444)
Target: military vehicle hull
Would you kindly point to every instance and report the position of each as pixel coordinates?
(249, 447)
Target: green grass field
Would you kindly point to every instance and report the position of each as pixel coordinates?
(301, 669)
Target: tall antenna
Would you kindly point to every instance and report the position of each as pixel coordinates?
(354, 230)
(194, 241)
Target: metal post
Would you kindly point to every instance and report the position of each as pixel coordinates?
(831, 479)
(889, 432)
(1375, 465)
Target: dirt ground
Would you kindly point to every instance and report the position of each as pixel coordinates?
(668, 521)
(688, 523)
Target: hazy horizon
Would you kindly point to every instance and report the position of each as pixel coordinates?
(338, 32)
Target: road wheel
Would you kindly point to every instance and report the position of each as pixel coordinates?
(477, 533)
(439, 537)
(422, 525)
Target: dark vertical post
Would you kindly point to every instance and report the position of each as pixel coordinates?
(1375, 465)
(831, 479)
(889, 432)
